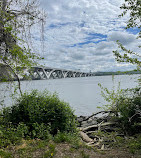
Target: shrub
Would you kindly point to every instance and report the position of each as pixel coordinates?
(130, 113)
(5, 154)
(40, 131)
(9, 135)
(41, 109)
(127, 105)
(135, 144)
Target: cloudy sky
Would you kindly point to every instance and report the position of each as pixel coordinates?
(81, 34)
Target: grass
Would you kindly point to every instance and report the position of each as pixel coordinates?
(30, 148)
(15, 144)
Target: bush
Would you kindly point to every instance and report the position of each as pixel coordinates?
(41, 109)
(5, 154)
(129, 108)
(135, 144)
(127, 105)
(9, 135)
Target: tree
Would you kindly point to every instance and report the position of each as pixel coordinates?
(133, 7)
(16, 20)
(129, 106)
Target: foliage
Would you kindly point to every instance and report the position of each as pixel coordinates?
(126, 57)
(128, 102)
(9, 135)
(135, 144)
(127, 105)
(44, 110)
(40, 131)
(111, 96)
(51, 152)
(84, 155)
(133, 7)
(16, 20)
(71, 138)
(130, 112)
(5, 154)
(63, 137)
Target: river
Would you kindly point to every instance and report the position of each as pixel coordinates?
(83, 94)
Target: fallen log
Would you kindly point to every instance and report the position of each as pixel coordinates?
(85, 137)
(90, 133)
(97, 126)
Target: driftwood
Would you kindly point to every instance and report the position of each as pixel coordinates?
(97, 114)
(95, 124)
(85, 137)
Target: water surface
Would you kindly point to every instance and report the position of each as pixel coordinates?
(83, 94)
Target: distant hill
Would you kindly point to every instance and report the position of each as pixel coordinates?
(117, 73)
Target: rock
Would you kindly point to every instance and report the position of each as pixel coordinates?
(84, 124)
(81, 118)
(92, 122)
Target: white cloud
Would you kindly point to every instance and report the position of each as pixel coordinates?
(123, 37)
(81, 34)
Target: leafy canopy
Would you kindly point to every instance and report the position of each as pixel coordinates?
(133, 7)
(17, 17)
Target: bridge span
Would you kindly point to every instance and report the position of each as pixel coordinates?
(41, 73)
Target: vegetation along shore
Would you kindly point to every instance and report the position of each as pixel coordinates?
(39, 124)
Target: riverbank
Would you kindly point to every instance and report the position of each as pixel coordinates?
(41, 149)
(66, 146)
(99, 136)
(41, 125)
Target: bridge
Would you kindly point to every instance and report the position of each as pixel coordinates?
(41, 73)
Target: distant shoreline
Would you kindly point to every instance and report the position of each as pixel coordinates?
(117, 73)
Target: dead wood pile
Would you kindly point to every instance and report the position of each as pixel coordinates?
(94, 129)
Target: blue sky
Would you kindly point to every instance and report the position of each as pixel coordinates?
(81, 34)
